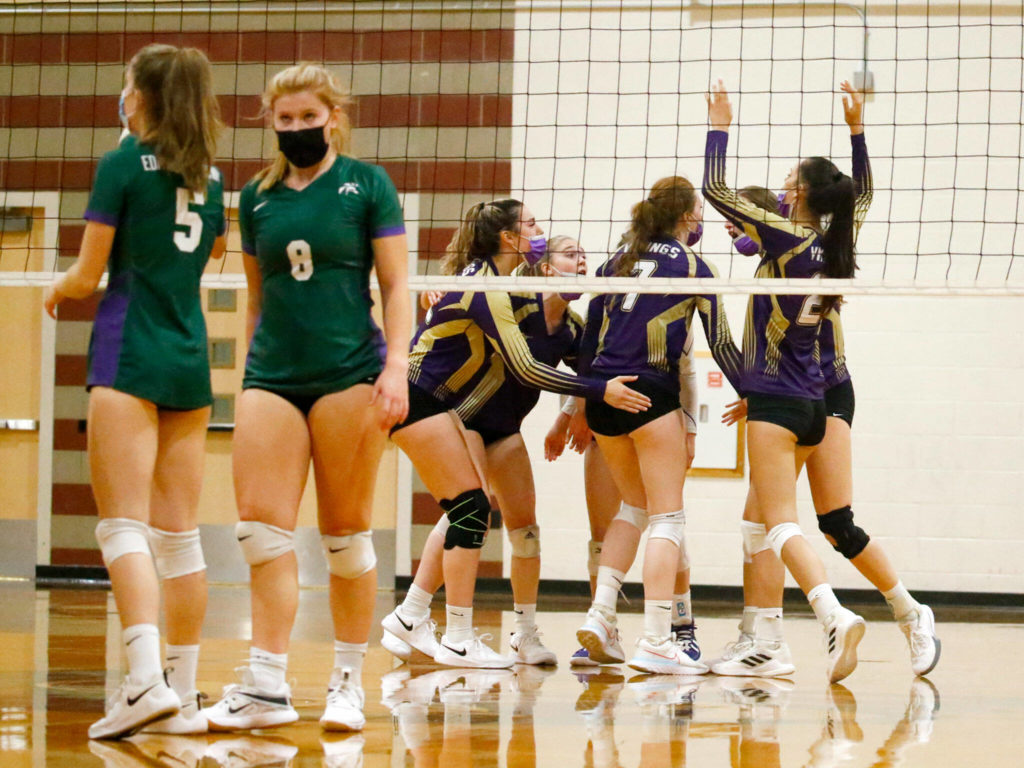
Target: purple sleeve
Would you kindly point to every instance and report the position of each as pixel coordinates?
(772, 232)
(493, 313)
(862, 182)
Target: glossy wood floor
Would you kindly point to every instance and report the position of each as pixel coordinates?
(55, 647)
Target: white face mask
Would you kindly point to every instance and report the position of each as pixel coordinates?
(560, 273)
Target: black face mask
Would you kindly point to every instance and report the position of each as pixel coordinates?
(303, 148)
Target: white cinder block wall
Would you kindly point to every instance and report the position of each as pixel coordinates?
(605, 106)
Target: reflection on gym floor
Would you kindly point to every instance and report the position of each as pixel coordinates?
(58, 644)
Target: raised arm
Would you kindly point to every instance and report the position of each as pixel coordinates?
(853, 111)
(775, 234)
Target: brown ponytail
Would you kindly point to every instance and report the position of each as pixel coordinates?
(670, 199)
(479, 235)
(182, 117)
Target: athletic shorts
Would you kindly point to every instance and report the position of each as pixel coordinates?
(604, 419)
(839, 401)
(802, 416)
(490, 436)
(422, 405)
(305, 403)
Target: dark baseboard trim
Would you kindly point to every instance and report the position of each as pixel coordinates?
(64, 576)
(553, 590)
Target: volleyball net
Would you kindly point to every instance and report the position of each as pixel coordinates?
(574, 107)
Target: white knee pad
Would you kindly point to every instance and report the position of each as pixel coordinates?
(441, 526)
(594, 556)
(684, 555)
(261, 542)
(754, 539)
(670, 526)
(118, 536)
(349, 557)
(525, 541)
(780, 534)
(635, 516)
(176, 554)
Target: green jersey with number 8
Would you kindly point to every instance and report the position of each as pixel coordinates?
(314, 247)
(149, 335)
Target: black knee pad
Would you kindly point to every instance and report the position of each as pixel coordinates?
(469, 516)
(845, 537)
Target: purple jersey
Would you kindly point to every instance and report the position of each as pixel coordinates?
(452, 349)
(645, 334)
(832, 350)
(500, 402)
(780, 355)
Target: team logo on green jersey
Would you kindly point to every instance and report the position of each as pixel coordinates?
(349, 187)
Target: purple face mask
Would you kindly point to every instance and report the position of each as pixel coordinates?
(694, 237)
(783, 206)
(567, 296)
(746, 246)
(538, 247)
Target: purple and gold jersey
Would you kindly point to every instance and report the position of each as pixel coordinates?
(500, 402)
(781, 332)
(645, 334)
(832, 350)
(452, 349)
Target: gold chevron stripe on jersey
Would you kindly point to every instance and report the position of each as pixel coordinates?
(722, 347)
(484, 389)
(657, 332)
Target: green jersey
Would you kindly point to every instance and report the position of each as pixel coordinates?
(314, 246)
(149, 336)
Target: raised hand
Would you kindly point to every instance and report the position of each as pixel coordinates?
(719, 107)
(853, 107)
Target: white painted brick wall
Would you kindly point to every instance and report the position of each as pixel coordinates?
(938, 441)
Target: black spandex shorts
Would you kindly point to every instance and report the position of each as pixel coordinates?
(802, 416)
(490, 436)
(305, 403)
(603, 419)
(839, 401)
(422, 405)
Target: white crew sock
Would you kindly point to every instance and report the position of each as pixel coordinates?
(526, 616)
(142, 647)
(417, 603)
(768, 624)
(823, 600)
(268, 669)
(747, 621)
(459, 628)
(350, 655)
(609, 582)
(900, 601)
(682, 610)
(182, 662)
(657, 619)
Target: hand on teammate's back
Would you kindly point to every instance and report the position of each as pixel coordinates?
(734, 411)
(618, 395)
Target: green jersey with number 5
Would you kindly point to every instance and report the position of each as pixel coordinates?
(314, 246)
(149, 336)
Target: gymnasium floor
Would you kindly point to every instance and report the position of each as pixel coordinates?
(54, 646)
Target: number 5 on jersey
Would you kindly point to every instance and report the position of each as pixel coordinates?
(301, 257)
(187, 242)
